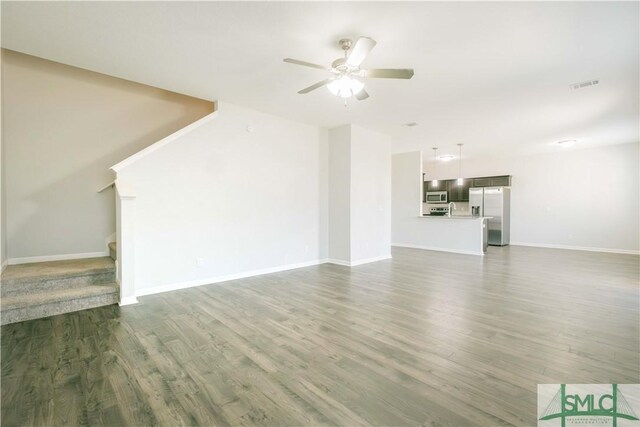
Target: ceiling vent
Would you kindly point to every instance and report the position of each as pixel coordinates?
(581, 85)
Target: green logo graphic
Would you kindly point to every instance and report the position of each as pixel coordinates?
(612, 405)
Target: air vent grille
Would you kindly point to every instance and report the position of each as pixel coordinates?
(581, 85)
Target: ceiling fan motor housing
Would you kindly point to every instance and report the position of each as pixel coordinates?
(345, 44)
(340, 64)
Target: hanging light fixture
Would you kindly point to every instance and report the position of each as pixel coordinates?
(460, 180)
(435, 163)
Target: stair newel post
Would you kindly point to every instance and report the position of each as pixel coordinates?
(125, 230)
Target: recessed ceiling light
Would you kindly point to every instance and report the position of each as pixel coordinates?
(446, 158)
(410, 125)
(567, 142)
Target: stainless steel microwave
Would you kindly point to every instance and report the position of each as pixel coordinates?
(436, 197)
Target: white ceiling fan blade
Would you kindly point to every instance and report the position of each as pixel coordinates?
(304, 63)
(314, 87)
(360, 51)
(362, 95)
(381, 73)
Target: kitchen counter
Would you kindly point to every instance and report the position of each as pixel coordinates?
(463, 234)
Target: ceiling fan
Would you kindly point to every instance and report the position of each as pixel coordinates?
(346, 72)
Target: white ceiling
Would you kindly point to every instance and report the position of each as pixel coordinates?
(494, 76)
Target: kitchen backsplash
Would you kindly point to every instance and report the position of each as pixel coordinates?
(462, 208)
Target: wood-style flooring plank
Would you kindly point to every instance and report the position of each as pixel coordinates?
(426, 338)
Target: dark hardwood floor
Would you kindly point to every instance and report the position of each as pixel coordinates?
(427, 338)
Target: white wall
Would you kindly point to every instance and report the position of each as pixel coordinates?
(359, 195)
(3, 215)
(406, 193)
(323, 187)
(3, 221)
(240, 202)
(576, 198)
(63, 127)
(370, 195)
(340, 193)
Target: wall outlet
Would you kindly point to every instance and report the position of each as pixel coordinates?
(199, 262)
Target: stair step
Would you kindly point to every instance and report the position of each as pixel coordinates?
(113, 250)
(18, 308)
(32, 278)
(31, 291)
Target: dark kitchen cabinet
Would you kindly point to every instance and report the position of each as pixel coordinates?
(492, 181)
(501, 181)
(459, 193)
(437, 186)
(431, 186)
(482, 182)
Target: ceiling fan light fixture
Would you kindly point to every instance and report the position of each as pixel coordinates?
(341, 82)
(345, 87)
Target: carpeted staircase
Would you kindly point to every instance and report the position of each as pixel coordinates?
(31, 291)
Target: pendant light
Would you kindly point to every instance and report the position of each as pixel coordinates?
(435, 163)
(460, 180)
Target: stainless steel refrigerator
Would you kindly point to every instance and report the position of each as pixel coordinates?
(493, 202)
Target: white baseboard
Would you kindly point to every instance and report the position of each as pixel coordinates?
(4, 265)
(576, 248)
(63, 257)
(358, 262)
(128, 301)
(431, 248)
(219, 279)
(337, 262)
(368, 260)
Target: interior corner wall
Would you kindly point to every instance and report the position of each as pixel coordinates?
(3, 208)
(3, 216)
(223, 202)
(406, 191)
(340, 194)
(370, 195)
(323, 187)
(63, 128)
(3, 230)
(359, 195)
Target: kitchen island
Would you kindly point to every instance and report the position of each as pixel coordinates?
(457, 233)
